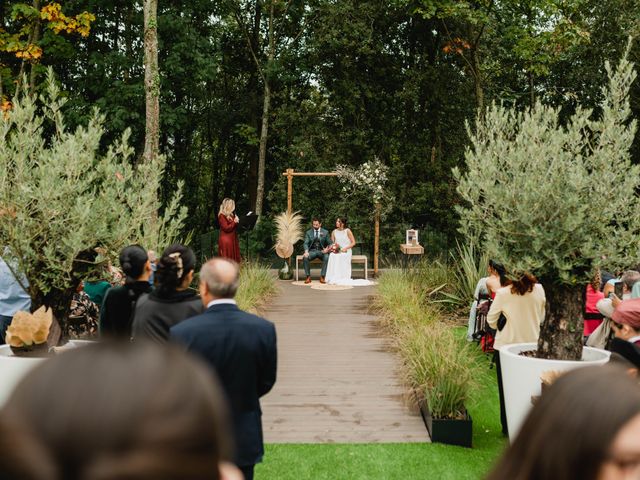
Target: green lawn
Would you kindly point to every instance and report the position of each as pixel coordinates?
(396, 461)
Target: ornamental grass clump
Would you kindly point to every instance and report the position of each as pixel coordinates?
(256, 286)
(528, 191)
(438, 366)
(66, 208)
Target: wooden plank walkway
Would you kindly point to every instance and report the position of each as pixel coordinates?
(337, 381)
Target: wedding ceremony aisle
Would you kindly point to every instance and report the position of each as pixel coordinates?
(337, 381)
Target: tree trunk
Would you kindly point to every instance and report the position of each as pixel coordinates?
(561, 331)
(36, 38)
(477, 83)
(266, 106)
(151, 80)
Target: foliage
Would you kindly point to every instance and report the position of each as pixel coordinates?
(257, 285)
(469, 266)
(439, 366)
(370, 178)
(24, 41)
(60, 198)
(529, 182)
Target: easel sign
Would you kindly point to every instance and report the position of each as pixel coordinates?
(412, 237)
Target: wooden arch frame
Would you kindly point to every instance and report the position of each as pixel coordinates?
(290, 173)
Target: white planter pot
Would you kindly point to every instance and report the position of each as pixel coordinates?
(13, 369)
(521, 377)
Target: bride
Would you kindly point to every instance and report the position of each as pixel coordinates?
(339, 267)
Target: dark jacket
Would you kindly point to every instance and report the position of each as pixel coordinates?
(241, 348)
(116, 313)
(156, 314)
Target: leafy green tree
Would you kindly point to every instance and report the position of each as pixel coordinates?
(529, 186)
(65, 209)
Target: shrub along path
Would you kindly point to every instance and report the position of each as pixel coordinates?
(337, 381)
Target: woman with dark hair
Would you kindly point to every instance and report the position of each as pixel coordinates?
(585, 426)
(497, 277)
(172, 301)
(339, 266)
(117, 411)
(521, 306)
(119, 302)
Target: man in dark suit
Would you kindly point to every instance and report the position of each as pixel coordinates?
(240, 347)
(316, 245)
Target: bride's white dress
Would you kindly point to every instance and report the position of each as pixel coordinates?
(339, 267)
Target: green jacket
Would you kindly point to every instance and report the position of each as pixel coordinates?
(323, 236)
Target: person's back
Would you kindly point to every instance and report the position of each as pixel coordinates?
(172, 301)
(240, 348)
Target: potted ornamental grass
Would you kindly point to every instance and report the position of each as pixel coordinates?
(554, 198)
(67, 206)
(440, 368)
(288, 232)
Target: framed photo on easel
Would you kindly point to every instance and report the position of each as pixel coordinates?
(412, 237)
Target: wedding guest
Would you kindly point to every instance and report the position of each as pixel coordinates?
(240, 348)
(607, 305)
(481, 292)
(228, 243)
(13, 296)
(497, 277)
(592, 317)
(625, 321)
(117, 411)
(116, 314)
(83, 316)
(172, 301)
(585, 426)
(522, 303)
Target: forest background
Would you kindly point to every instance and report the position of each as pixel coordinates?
(318, 84)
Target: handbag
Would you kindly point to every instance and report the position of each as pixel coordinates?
(502, 321)
(600, 336)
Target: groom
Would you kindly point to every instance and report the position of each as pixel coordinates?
(316, 245)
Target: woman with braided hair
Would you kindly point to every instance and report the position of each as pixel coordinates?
(172, 301)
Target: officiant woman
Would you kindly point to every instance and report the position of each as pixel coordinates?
(228, 244)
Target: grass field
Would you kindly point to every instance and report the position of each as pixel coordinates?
(396, 461)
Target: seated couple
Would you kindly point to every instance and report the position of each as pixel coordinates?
(335, 250)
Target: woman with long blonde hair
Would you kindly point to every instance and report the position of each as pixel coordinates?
(228, 243)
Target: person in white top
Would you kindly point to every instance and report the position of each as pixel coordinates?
(522, 303)
(339, 266)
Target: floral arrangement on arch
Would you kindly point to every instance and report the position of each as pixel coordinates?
(370, 178)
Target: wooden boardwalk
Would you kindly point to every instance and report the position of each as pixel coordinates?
(337, 381)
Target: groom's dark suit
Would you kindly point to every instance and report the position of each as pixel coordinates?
(314, 243)
(241, 348)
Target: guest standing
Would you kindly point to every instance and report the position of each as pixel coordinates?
(13, 296)
(172, 301)
(240, 347)
(228, 244)
(116, 314)
(522, 303)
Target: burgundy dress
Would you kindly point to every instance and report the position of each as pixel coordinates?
(228, 244)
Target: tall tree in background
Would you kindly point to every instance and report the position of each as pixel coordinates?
(265, 45)
(151, 80)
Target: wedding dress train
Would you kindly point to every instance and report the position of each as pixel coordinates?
(339, 267)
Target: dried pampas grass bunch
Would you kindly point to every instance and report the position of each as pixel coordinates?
(289, 231)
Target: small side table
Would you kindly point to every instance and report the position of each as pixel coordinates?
(411, 254)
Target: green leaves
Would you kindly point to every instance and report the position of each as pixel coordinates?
(532, 184)
(69, 198)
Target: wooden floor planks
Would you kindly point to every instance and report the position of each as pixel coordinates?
(337, 381)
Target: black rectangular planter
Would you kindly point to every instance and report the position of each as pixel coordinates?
(449, 431)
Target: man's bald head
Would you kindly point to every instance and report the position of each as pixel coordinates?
(220, 277)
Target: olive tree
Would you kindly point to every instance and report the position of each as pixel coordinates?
(65, 208)
(555, 199)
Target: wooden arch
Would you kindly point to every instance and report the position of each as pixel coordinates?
(290, 173)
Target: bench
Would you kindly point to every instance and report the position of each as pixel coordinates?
(354, 259)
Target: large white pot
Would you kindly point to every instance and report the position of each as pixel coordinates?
(521, 377)
(13, 369)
